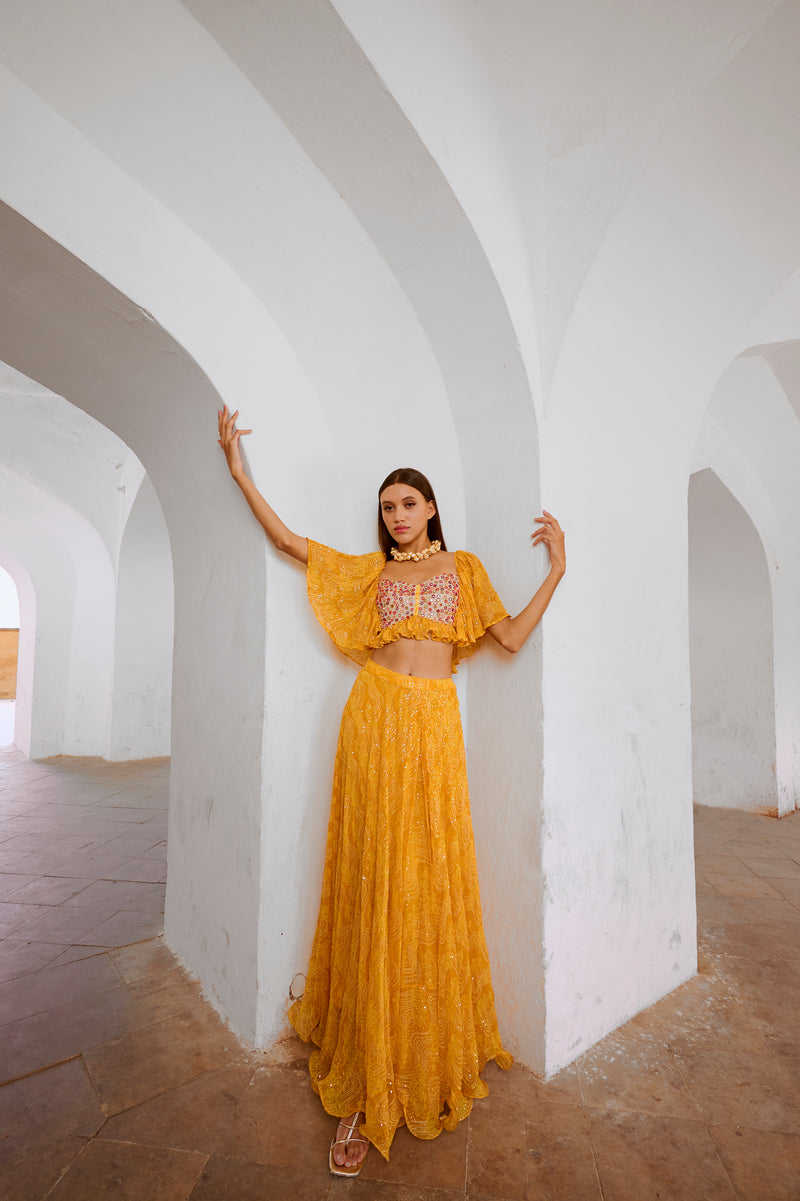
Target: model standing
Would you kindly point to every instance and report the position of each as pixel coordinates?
(398, 999)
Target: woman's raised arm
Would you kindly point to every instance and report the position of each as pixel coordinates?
(512, 632)
(280, 535)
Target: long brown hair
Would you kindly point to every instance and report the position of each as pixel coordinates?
(414, 479)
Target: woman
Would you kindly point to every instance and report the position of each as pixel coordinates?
(399, 999)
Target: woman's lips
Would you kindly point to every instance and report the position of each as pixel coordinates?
(401, 529)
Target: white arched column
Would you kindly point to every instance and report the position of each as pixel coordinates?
(64, 577)
(681, 272)
(67, 328)
(750, 438)
(731, 648)
(142, 685)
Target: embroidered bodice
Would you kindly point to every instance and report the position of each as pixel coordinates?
(435, 598)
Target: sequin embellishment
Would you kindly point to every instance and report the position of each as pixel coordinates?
(435, 598)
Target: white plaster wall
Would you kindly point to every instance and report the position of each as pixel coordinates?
(751, 439)
(731, 648)
(691, 258)
(65, 580)
(142, 686)
(63, 451)
(9, 602)
(64, 472)
(80, 195)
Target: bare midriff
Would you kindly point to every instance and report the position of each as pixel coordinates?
(416, 657)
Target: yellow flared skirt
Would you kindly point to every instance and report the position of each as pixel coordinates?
(398, 998)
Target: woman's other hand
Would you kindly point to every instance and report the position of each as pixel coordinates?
(229, 440)
(551, 533)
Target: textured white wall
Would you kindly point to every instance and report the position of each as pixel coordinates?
(731, 646)
(9, 602)
(750, 437)
(72, 481)
(142, 687)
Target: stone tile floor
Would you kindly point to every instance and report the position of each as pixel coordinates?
(121, 1082)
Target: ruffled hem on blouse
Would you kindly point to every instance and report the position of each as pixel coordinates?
(342, 590)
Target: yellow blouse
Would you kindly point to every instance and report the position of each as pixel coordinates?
(343, 592)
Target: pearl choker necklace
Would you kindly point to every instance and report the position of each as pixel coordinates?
(402, 556)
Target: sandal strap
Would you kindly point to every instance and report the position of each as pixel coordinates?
(352, 1137)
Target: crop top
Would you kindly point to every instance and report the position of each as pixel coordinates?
(362, 612)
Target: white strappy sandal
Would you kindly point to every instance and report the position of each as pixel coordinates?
(340, 1169)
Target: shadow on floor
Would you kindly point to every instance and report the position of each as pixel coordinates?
(121, 1082)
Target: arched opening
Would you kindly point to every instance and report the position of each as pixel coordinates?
(731, 653)
(9, 653)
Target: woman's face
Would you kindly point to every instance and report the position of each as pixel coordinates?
(405, 513)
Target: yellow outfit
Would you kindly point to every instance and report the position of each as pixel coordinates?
(399, 998)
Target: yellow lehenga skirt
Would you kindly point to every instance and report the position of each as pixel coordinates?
(398, 998)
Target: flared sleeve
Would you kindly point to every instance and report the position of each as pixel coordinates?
(479, 605)
(342, 590)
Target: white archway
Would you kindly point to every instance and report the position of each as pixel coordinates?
(731, 649)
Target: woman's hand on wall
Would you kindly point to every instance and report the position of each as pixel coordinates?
(551, 533)
(229, 440)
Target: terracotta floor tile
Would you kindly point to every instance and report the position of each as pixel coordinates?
(564, 1170)
(190, 1117)
(11, 881)
(635, 1074)
(770, 998)
(498, 1162)
(714, 908)
(139, 845)
(375, 1190)
(787, 1054)
(779, 867)
(520, 1086)
(51, 890)
(128, 1172)
(32, 1044)
(700, 1014)
(75, 1028)
(65, 925)
(125, 926)
(21, 958)
(71, 954)
(144, 1063)
(560, 1159)
(48, 1105)
(787, 887)
(762, 1166)
(279, 1097)
(734, 1088)
(26, 1177)
(152, 870)
(642, 1157)
(767, 912)
(98, 866)
(436, 1163)
(732, 884)
(53, 986)
(243, 1180)
(13, 917)
(152, 958)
